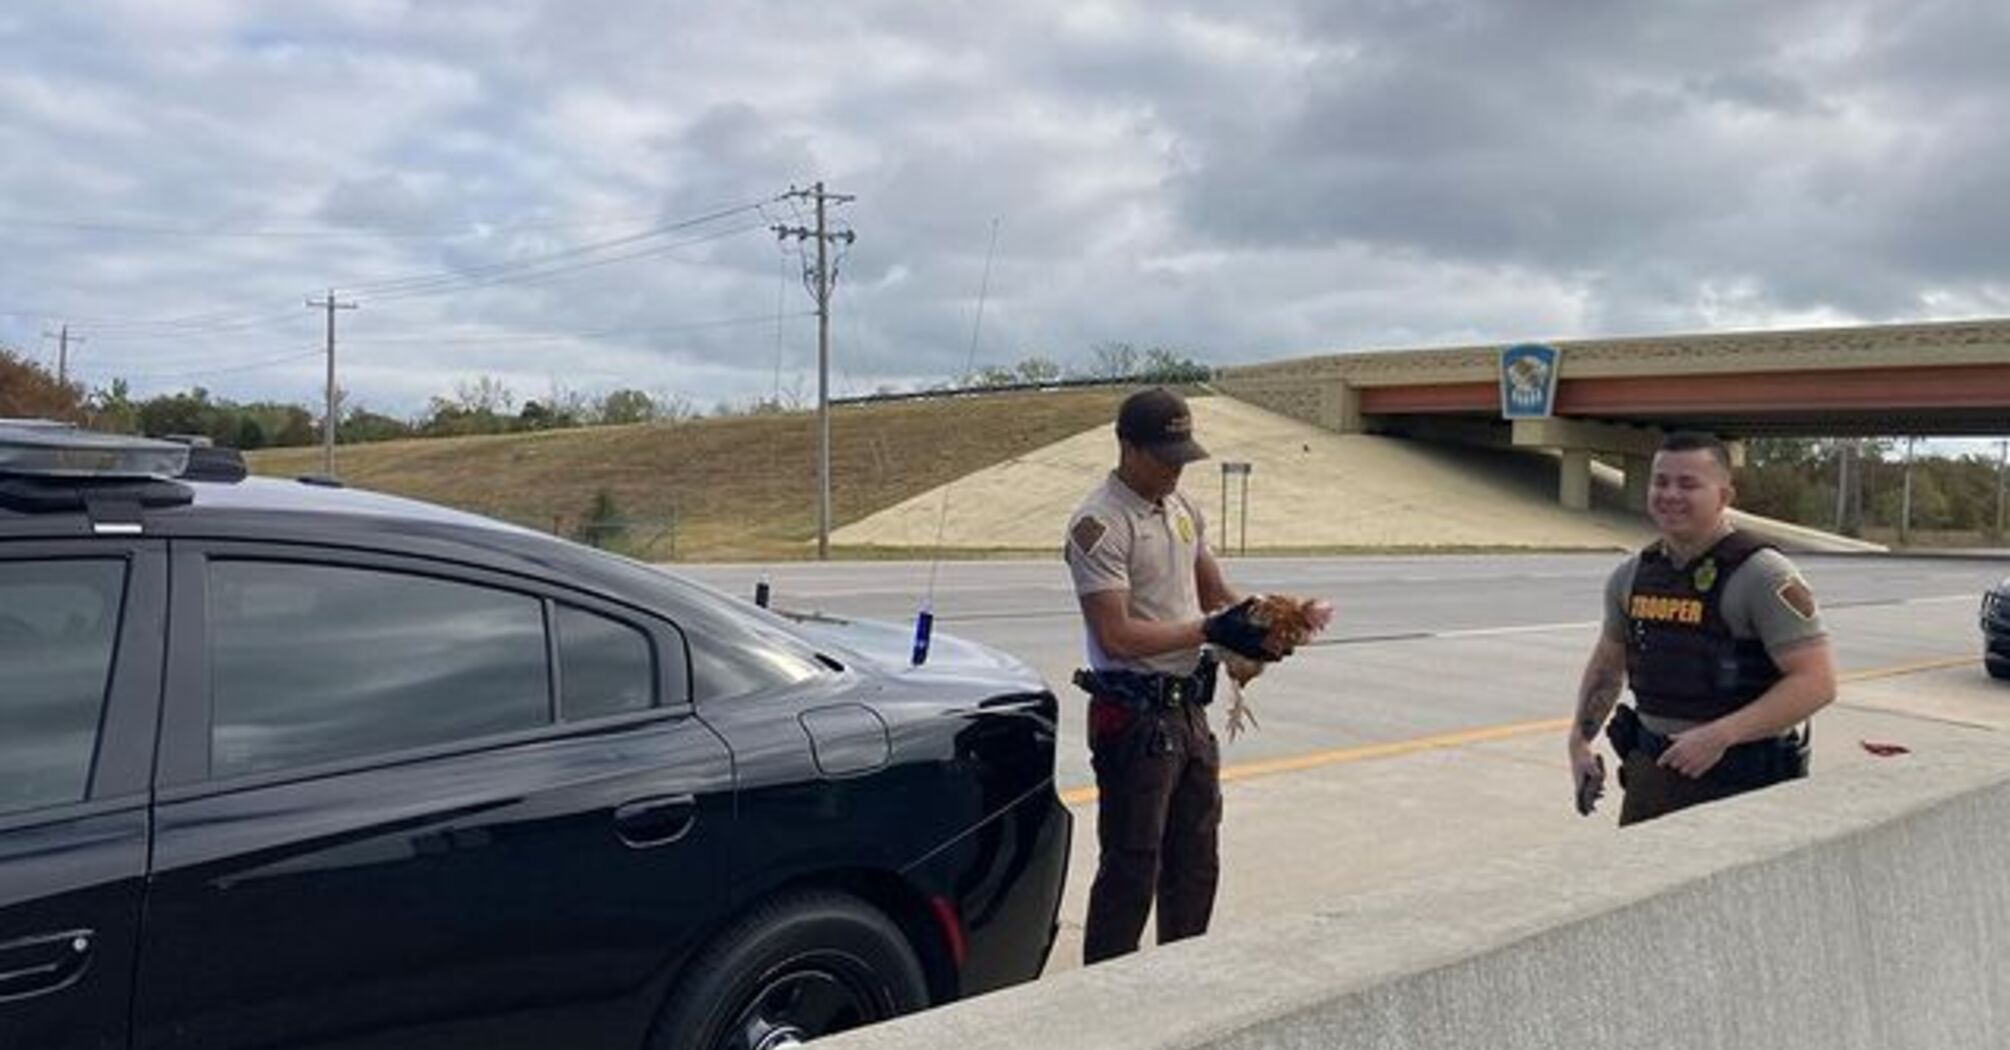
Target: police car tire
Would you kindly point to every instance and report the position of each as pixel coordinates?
(1998, 669)
(814, 929)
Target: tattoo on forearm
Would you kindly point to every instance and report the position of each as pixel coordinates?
(1595, 700)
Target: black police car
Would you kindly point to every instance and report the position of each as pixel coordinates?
(1996, 630)
(283, 764)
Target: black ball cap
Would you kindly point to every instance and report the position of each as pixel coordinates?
(1157, 421)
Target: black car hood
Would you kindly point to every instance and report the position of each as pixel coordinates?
(888, 647)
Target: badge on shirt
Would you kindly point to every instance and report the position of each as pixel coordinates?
(1087, 533)
(1706, 575)
(1185, 529)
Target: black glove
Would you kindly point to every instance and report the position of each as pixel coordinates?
(1233, 630)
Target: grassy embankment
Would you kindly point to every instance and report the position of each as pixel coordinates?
(714, 489)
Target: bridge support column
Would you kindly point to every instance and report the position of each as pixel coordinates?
(1340, 407)
(1638, 470)
(1574, 479)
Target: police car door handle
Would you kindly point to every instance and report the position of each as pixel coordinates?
(656, 821)
(47, 963)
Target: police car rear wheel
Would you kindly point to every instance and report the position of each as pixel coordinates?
(800, 967)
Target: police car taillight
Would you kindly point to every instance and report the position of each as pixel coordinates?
(36, 448)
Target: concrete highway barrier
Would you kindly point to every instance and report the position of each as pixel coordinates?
(1866, 907)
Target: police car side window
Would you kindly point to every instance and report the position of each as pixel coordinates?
(605, 667)
(729, 660)
(59, 624)
(310, 663)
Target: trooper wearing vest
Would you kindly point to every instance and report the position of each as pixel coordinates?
(1137, 550)
(1718, 636)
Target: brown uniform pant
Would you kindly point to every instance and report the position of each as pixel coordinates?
(1158, 810)
(1653, 790)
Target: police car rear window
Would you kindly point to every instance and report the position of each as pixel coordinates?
(312, 663)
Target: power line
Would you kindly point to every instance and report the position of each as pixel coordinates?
(221, 325)
(557, 337)
(250, 366)
(414, 285)
(104, 325)
(448, 287)
(389, 284)
(158, 229)
(442, 284)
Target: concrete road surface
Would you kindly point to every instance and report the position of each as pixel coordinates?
(1422, 645)
(1426, 728)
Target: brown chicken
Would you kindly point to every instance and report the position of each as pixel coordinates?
(1288, 623)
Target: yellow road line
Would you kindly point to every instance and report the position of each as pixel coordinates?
(1082, 796)
(1895, 671)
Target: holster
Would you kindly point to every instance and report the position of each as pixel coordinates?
(1150, 692)
(1624, 731)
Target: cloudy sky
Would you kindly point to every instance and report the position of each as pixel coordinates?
(576, 193)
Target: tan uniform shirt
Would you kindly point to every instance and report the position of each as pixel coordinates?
(1118, 540)
(1764, 598)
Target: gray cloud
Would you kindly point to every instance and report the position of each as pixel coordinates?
(1286, 177)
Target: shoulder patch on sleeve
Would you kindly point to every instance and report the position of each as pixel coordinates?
(1795, 594)
(1086, 533)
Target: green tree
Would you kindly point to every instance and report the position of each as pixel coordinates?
(112, 408)
(1037, 369)
(1112, 360)
(603, 524)
(361, 425)
(185, 413)
(623, 407)
(991, 376)
(1162, 365)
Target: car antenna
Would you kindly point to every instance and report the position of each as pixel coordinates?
(924, 617)
(762, 591)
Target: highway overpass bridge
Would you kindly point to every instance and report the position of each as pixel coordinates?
(1618, 396)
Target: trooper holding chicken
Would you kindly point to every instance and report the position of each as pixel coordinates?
(1154, 600)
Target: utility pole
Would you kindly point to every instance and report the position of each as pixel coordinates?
(328, 420)
(2002, 464)
(63, 340)
(1905, 512)
(822, 278)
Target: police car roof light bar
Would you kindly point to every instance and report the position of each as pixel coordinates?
(40, 448)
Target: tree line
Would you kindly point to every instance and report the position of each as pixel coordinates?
(1856, 486)
(485, 405)
(1109, 360)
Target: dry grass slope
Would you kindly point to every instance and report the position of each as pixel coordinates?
(736, 488)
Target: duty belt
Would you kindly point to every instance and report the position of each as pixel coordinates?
(1149, 691)
(1756, 762)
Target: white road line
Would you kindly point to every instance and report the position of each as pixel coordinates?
(1527, 628)
(1595, 573)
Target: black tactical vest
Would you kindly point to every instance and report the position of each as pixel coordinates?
(1680, 657)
